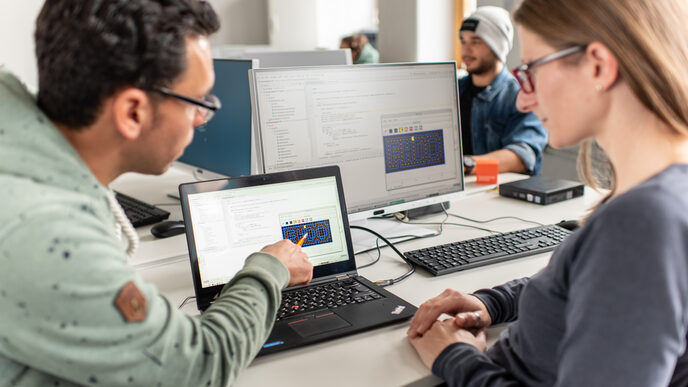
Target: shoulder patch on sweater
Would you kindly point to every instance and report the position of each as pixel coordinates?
(131, 303)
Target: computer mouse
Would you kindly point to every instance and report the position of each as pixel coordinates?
(569, 224)
(168, 228)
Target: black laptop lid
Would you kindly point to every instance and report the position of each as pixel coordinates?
(228, 219)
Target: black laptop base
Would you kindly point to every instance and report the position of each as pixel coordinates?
(325, 324)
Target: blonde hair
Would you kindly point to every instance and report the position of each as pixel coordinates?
(649, 38)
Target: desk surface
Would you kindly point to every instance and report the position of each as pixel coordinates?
(379, 357)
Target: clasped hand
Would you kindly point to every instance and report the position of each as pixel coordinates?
(430, 337)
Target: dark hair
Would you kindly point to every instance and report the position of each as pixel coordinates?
(89, 49)
(355, 42)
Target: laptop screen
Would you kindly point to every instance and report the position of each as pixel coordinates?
(231, 221)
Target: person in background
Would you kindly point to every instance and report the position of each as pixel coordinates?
(611, 307)
(122, 84)
(362, 51)
(491, 126)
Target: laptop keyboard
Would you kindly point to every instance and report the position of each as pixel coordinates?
(326, 296)
(462, 255)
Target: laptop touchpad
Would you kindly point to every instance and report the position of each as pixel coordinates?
(319, 323)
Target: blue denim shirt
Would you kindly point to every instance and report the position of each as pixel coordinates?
(497, 124)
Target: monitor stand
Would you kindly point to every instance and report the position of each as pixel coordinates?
(392, 229)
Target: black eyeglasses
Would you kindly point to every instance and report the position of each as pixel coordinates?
(523, 72)
(206, 107)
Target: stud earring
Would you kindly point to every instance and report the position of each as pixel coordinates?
(598, 87)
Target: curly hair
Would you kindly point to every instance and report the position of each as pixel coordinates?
(89, 49)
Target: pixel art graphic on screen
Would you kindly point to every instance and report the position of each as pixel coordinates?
(413, 150)
(319, 232)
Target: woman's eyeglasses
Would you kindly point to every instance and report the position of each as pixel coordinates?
(523, 72)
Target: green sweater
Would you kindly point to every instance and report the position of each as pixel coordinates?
(62, 267)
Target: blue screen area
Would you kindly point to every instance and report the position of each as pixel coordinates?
(411, 150)
(224, 144)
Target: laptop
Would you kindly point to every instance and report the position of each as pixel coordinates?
(228, 219)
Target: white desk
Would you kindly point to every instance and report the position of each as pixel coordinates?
(382, 357)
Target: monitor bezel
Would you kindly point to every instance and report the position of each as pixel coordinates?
(205, 294)
(377, 210)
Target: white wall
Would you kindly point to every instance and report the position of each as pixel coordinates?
(17, 21)
(313, 24)
(398, 37)
(336, 19)
(243, 22)
(292, 24)
(410, 30)
(436, 30)
(416, 30)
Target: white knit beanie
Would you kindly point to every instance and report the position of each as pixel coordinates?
(493, 26)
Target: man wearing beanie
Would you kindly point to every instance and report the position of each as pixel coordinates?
(491, 126)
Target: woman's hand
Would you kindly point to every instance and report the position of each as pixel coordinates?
(472, 313)
(441, 335)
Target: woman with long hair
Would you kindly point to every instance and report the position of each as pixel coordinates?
(611, 307)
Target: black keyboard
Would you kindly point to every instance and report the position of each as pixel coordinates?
(326, 296)
(140, 213)
(445, 259)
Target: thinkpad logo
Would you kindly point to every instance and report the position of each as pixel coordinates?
(398, 309)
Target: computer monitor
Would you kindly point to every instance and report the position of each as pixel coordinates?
(222, 147)
(269, 59)
(393, 129)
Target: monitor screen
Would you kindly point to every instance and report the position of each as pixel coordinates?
(393, 129)
(223, 145)
(236, 221)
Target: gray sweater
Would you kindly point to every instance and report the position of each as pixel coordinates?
(610, 309)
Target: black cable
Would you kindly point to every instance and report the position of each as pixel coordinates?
(497, 218)
(410, 237)
(456, 224)
(195, 172)
(441, 224)
(390, 244)
(379, 254)
(186, 300)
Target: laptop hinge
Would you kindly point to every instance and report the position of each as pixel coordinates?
(337, 277)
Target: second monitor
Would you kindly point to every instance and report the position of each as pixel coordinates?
(393, 130)
(223, 145)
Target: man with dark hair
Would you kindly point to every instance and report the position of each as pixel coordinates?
(491, 126)
(122, 84)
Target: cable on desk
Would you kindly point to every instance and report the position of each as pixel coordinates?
(456, 224)
(379, 254)
(497, 218)
(392, 281)
(186, 300)
(399, 216)
(405, 220)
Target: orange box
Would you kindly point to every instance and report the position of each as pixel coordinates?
(486, 171)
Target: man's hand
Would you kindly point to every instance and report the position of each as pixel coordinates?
(441, 335)
(293, 257)
(472, 312)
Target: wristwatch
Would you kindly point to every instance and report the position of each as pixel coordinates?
(468, 165)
